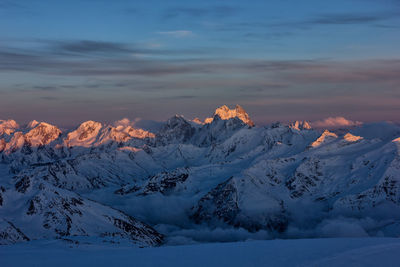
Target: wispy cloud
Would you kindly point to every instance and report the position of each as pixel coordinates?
(371, 19)
(177, 34)
(296, 71)
(220, 11)
(49, 98)
(183, 78)
(87, 46)
(44, 88)
(7, 5)
(348, 18)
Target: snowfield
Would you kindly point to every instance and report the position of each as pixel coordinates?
(296, 252)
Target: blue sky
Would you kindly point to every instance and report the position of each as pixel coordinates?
(69, 61)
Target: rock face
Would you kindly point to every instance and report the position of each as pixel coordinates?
(165, 182)
(9, 234)
(231, 203)
(300, 125)
(95, 180)
(176, 130)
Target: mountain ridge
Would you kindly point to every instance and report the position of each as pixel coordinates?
(224, 173)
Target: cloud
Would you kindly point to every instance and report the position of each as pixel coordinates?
(131, 11)
(341, 228)
(139, 123)
(335, 122)
(291, 71)
(50, 98)
(338, 19)
(11, 5)
(44, 88)
(87, 46)
(214, 11)
(125, 122)
(271, 80)
(200, 234)
(179, 97)
(178, 33)
(79, 48)
(348, 18)
(105, 59)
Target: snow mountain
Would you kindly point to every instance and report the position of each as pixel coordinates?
(118, 182)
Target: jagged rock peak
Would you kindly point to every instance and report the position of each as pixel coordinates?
(225, 113)
(176, 129)
(176, 120)
(300, 125)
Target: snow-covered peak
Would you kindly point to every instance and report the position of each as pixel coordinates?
(396, 141)
(351, 138)
(176, 129)
(32, 124)
(85, 135)
(42, 134)
(122, 134)
(197, 121)
(8, 126)
(325, 137)
(300, 125)
(127, 127)
(138, 133)
(225, 113)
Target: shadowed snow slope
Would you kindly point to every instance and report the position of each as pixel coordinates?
(281, 253)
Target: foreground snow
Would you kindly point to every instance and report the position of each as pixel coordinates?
(297, 252)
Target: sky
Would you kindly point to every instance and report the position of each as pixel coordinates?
(65, 62)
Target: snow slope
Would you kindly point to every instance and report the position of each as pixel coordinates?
(298, 252)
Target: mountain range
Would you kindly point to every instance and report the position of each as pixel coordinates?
(119, 182)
